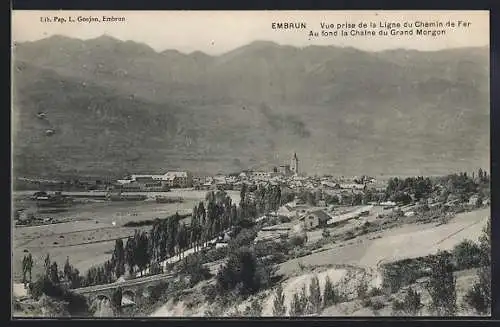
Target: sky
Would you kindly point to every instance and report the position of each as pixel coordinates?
(216, 32)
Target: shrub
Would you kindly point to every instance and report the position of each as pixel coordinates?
(330, 295)
(479, 296)
(279, 308)
(377, 305)
(197, 272)
(362, 288)
(442, 285)
(297, 240)
(375, 291)
(325, 233)
(410, 305)
(466, 255)
(116, 299)
(53, 307)
(43, 285)
(315, 295)
(296, 308)
(240, 271)
(244, 238)
(254, 309)
(158, 291)
(475, 299)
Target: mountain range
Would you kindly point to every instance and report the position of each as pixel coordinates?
(109, 107)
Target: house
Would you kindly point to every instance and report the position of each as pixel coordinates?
(313, 219)
(358, 187)
(181, 179)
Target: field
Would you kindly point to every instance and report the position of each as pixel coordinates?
(346, 261)
(89, 234)
(407, 241)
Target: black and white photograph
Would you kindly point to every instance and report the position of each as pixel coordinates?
(250, 164)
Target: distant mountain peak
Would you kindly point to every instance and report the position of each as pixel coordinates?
(106, 38)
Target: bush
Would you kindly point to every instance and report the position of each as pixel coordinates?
(410, 305)
(315, 295)
(158, 291)
(442, 285)
(297, 240)
(53, 308)
(466, 255)
(197, 272)
(362, 288)
(244, 238)
(476, 300)
(279, 308)
(377, 305)
(330, 295)
(254, 309)
(43, 285)
(402, 273)
(325, 233)
(375, 291)
(241, 271)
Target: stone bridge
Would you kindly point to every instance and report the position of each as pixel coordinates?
(132, 289)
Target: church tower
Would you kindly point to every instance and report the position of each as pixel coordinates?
(294, 164)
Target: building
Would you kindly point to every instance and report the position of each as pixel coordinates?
(294, 164)
(314, 219)
(180, 179)
(285, 170)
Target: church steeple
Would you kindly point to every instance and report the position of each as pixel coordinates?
(294, 164)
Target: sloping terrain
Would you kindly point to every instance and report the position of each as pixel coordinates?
(117, 106)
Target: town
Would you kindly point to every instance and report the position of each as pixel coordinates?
(309, 216)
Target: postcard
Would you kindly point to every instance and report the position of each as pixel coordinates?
(250, 163)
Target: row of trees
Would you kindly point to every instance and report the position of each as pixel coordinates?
(303, 303)
(170, 237)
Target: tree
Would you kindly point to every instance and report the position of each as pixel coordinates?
(442, 285)
(47, 265)
(330, 297)
(479, 296)
(254, 309)
(296, 307)
(29, 265)
(116, 299)
(325, 233)
(141, 254)
(75, 279)
(411, 304)
(129, 254)
(118, 258)
(54, 273)
(466, 255)
(304, 301)
(24, 269)
(315, 295)
(240, 270)
(67, 269)
(279, 308)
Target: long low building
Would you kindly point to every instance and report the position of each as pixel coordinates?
(181, 179)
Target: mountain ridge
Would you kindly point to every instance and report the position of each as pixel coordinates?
(251, 108)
